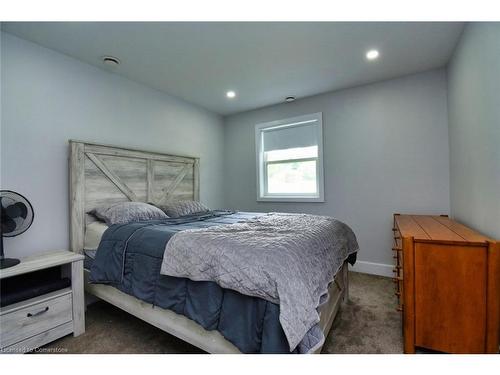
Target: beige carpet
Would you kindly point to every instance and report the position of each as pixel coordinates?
(368, 323)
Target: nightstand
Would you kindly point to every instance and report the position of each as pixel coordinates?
(31, 323)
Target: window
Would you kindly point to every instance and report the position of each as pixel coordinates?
(290, 159)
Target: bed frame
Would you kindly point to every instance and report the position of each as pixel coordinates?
(102, 174)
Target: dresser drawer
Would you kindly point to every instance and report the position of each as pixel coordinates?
(398, 267)
(398, 243)
(29, 318)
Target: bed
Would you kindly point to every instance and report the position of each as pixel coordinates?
(101, 174)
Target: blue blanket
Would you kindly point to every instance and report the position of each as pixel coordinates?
(129, 258)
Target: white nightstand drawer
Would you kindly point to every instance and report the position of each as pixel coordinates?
(29, 318)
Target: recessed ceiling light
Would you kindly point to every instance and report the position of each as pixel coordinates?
(230, 94)
(290, 99)
(111, 61)
(372, 54)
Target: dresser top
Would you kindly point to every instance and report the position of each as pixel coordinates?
(429, 228)
(40, 261)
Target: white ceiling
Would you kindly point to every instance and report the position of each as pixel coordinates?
(262, 62)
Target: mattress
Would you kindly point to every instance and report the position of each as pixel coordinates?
(93, 235)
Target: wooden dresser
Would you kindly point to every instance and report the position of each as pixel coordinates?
(447, 279)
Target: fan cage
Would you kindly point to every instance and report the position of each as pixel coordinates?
(22, 225)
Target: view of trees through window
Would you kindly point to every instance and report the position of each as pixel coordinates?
(292, 171)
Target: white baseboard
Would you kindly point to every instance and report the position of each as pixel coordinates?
(373, 268)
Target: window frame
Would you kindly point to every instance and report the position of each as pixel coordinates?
(262, 195)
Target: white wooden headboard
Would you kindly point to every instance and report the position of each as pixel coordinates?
(101, 174)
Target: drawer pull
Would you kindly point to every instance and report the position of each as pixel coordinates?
(399, 308)
(30, 315)
(396, 279)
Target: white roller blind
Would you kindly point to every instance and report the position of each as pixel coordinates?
(291, 136)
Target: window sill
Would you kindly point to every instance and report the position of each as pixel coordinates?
(291, 199)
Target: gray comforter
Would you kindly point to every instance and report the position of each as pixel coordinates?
(287, 259)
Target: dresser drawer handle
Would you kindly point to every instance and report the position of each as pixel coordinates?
(30, 315)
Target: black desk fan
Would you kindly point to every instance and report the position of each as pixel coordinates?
(16, 216)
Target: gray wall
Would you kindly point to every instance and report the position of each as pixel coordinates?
(48, 98)
(1, 49)
(386, 144)
(385, 150)
(474, 128)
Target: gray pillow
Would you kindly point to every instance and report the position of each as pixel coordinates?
(183, 208)
(126, 212)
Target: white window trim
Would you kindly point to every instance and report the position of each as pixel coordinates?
(320, 197)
